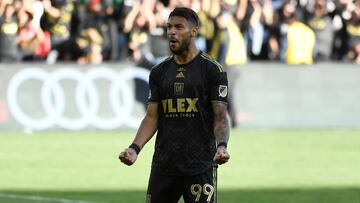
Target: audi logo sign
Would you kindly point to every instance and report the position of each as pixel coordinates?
(53, 99)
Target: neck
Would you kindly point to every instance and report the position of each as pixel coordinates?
(186, 56)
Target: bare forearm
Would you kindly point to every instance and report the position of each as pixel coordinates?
(241, 10)
(268, 12)
(148, 126)
(146, 130)
(130, 18)
(255, 17)
(53, 12)
(221, 122)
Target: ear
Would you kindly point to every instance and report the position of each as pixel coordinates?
(194, 31)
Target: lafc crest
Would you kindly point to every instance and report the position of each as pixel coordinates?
(179, 88)
(223, 90)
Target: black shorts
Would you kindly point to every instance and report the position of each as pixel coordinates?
(199, 188)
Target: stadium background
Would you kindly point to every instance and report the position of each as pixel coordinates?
(63, 121)
(297, 138)
(37, 97)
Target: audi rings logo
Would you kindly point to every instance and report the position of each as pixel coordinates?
(87, 100)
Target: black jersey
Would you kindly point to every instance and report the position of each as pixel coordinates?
(185, 142)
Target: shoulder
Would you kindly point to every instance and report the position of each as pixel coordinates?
(211, 63)
(161, 65)
(157, 71)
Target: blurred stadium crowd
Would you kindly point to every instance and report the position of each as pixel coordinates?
(232, 31)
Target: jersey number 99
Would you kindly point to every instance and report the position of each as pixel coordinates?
(197, 190)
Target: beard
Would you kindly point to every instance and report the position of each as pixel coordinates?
(184, 46)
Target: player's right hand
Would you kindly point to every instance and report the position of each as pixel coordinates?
(128, 156)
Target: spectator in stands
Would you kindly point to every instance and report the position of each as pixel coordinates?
(57, 20)
(34, 43)
(8, 32)
(133, 28)
(109, 31)
(353, 32)
(256, 18)
(148, 43)
(36, 9)
(342, 14)
(158, 46)
(98, 12)
(90, 32)
(120, 10)
(256, 31)
(322, 24)
(300, 39)
(88, 47)
(270, 49)
(207, 28)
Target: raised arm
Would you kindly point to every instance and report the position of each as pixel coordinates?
(53, 12)
(147, 129)
(221, 131)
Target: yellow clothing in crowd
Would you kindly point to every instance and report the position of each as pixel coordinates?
(301, 42)
(236, 53)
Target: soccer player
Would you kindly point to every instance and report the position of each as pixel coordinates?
(188, 109)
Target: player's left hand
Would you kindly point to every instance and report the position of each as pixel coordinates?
(221, 155)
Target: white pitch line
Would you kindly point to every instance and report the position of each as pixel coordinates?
(40, 198)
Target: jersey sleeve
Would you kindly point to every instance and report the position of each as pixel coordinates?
(154, 93)
(219, 86)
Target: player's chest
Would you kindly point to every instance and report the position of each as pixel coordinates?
(183, 81)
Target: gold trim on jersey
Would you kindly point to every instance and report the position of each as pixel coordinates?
(207, 57)
(158, 65)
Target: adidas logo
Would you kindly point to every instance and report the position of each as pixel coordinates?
(180, 75)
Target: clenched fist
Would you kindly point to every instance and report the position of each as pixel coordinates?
(128, 156)
(221, 155)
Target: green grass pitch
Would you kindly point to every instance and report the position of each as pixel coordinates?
(283, 166)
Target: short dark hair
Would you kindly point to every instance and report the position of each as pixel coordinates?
(187, 13)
